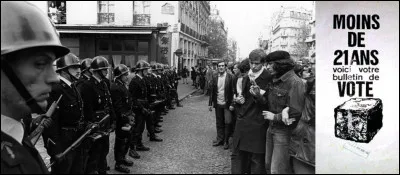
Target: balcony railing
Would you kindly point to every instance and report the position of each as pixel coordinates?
(105, 18)
(58, 18)
(141, 19)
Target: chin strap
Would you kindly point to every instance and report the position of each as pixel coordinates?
(29, 100)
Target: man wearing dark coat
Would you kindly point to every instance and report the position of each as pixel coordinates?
(221, 99)
(251, 127)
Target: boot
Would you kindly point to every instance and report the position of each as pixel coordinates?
(134, 154)
(157, 130)
(122, 168)
(155, 138)
(141, 147)
(127, 162)
(226, 136)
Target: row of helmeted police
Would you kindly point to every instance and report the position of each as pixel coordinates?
(85, 108)
(93, 106)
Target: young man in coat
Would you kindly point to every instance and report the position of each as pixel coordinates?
(251, 127)
(221, 99)
(286, 93)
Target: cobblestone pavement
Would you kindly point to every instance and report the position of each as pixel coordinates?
(187, 147)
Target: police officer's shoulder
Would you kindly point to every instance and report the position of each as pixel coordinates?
(9, 151)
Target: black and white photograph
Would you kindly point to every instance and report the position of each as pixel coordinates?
(194, 87)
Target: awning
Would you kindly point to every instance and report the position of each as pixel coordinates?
(146, 32)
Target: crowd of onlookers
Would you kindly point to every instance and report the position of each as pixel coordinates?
(199, 75)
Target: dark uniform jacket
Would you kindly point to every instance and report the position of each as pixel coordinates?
(228, 91)
(97, 101)
(68, 118)
(122, 103)
(138, 91)
(251, 127)
(151, 87)
(20, 159)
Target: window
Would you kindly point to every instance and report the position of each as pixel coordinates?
(141, 12)
(141, 7)
(103, 45)
(123, 51)
(57, 11)
(106, 12)
(130, 45)
(143, 46)
(116, 45)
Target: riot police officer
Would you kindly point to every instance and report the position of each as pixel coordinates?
(29, 46)
(122, 103)
(167, 84)
(85, 69)
(97, 105)
(152, 86)
(68, 119)
(138, 90)
(160, 96)
(174, 89)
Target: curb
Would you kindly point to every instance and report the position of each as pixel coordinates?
(185, 96)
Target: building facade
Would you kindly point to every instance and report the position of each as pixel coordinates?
(288, 25)
(311, 38)
(129, 31)
(193, 19)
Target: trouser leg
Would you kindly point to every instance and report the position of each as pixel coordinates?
(105, 141)
(119, 149)
(235, 161)
(220, 124)
(137, 131)
(228, 123)
(94, 157)
(257, 163)
(243, 162)
(64, 166)
(280, 160)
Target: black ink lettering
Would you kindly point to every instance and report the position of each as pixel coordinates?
(338, 21)
(375, 60)
(375, 19)
(339, 55)
(351, 22)
(352, 39)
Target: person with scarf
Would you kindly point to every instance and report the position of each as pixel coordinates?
(250, 131)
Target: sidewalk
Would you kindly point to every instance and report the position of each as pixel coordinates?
(185, 90)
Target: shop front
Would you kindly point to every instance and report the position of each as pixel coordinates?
(120, 45)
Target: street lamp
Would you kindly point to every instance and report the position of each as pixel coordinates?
(179, 53)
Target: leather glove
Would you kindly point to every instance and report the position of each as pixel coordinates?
(47, 122)
(36, 119)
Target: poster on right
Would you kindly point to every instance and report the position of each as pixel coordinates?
(357, 80)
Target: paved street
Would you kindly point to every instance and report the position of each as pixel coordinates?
(188, 134)
(187, 147)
